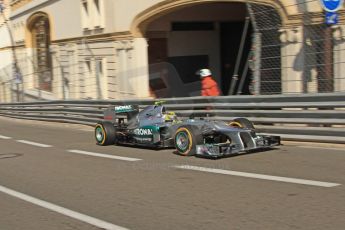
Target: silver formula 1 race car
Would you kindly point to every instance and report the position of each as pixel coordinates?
(155, 127)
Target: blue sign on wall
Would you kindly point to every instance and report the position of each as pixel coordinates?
(331, 5)
(332, 18)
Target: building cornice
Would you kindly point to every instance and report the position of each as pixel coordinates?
(118, 36)
(16, 4)
(6, 48)
(11, 48)
(29, 6)
(311, 18)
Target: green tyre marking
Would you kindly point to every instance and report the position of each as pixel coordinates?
(182, 141)
(99, 134)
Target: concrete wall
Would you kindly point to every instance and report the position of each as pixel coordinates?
(6, 56)
(5, 40)
(6, 67)
(339, 58)
(64, 16)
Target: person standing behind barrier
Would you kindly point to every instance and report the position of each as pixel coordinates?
(209, 86)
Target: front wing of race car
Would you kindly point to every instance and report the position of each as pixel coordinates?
(242, 142)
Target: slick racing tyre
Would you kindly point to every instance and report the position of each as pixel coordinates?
(185, 140)
(242, 123)
(105, 134)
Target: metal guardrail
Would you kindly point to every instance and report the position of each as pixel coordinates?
(319, 117)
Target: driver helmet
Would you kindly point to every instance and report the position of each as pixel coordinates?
(204, 73)
(170, 116)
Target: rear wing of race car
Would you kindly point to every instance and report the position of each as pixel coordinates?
(126, 109)
(121, 111)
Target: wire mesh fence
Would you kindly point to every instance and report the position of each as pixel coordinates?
(279, 53)
(304, 57)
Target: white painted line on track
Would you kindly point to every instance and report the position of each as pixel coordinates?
(86, 130)
(104, 155)
(5, 137)
(321, 148)
(258, 176)
(64, 211)
(34, 143)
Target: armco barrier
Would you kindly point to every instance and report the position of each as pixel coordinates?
(319, 117)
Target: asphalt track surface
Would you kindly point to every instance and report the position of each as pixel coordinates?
(54, 177)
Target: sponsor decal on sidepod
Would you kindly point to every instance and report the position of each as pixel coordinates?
(143, 132)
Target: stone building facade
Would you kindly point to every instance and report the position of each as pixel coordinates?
(117, 49)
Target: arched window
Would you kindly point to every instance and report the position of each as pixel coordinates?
(40, 31)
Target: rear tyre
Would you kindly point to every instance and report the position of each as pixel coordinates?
(105, 134)
(185, 140)
(242, 123)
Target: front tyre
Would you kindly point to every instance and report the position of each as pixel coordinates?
(105, 134)
(242, 123)
(185, 140)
